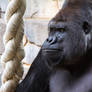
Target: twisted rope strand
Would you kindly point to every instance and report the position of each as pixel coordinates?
(14, 53)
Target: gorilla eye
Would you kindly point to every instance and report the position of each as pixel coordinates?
(52, 29)
(57, 29)
(61, 29)
(86, 27)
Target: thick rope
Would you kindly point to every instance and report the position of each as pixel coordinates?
(14, 53)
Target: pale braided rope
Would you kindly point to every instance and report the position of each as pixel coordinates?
(13, 54)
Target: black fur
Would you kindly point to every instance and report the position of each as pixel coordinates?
(64, 63)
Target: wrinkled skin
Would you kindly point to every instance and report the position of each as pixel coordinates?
(64, 63)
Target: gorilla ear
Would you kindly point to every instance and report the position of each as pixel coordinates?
(86, 27)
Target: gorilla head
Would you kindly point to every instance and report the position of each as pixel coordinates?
(70, 34)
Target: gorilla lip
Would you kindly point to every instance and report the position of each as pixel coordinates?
(51, 50)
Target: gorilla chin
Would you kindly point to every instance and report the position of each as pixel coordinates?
(53, 57)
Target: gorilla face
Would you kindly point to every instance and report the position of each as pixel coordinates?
(70, 37)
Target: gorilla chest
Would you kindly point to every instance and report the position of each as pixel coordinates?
(62, 81)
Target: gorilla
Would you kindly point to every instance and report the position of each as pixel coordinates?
(64, 63)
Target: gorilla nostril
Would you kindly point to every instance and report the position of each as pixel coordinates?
(51, 40)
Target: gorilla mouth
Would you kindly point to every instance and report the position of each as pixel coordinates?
(51, 50)
(52, 53)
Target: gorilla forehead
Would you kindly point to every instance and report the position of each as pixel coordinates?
(77, 11)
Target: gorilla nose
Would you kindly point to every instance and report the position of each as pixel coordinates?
(51, 40)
